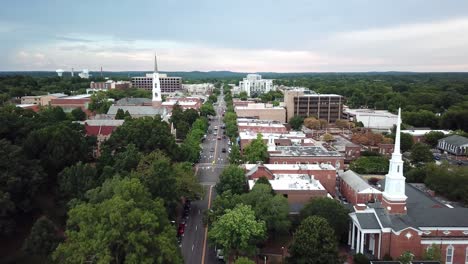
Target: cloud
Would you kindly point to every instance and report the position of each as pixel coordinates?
(435, 46)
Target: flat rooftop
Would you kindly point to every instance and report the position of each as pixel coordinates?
(292, 167)
(293, 182)
(249, 124)
(253, 135)
(306, 151)
(422, 132)
(79, 96)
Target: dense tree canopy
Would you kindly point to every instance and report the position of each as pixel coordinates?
(332, 211)
(237, 231)
(232, 178)
(43, 239)
(256, 150)
(370, 165)
(20, 180)
(121, 223)
(314, 242)
(421, 152)
(296, 122)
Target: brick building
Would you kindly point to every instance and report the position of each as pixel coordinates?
(69, 103)
(407, 219)
(281, 139)
(298, 183)
(305, 155)
(262, 111)
(355, 189)
(418, 134)
(261, 126)
(301, 102)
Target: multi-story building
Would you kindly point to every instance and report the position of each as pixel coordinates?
(379, 120)
(254, 84)
(199, 88)
(184, 102)
(261, 126)
(304, 103)
(262, 111)
(72, 102)
(168, 84)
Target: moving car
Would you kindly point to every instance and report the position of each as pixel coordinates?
(223, 150)
(219, 138)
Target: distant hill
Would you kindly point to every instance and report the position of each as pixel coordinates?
(227, 74)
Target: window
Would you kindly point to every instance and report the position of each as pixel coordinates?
(449, 255)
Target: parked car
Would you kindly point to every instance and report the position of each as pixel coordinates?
(223, 150)
(219, 138)
(181, 230)
(219, 253)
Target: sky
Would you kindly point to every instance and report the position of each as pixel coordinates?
(239, 35)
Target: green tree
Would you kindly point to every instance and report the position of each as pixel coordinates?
(156, 173)
(421, 152)
(296, 122)
(232, 178)
(78, 114)
(256, 151)
(314, 242)
(244, 260)
(186, 182)
(264, 180)
(43, 239)
(406, 257)
(20, 181)
(433, 253)
(147, 134)
(120, 224)
(237, 231)
(99, 103)
(57, 147)
(406, 142)
(221, 203)
(332, 211)
(370, 165)
(75, 180)
(270, 208)
(235, 156)
(120, 114)
(432, 138)
(207, 109)
(243, 96)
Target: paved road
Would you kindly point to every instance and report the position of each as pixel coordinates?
(212, 161)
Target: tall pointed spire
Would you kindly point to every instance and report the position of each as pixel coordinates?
(156, 91)
(396, 149)
(155, 63)
(394, 197)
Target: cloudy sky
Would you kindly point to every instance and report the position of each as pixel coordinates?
(238, 35)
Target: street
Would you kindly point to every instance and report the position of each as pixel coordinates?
(195, 248)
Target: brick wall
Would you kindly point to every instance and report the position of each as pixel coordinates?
(308, 160)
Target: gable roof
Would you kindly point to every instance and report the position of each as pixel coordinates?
(455, 140)
(367, 221)
(137, 110)
(356, 182)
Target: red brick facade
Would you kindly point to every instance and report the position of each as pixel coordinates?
(337, 162)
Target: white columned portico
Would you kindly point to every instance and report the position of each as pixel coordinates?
(362, 243)
(353, 236)
(349, 233)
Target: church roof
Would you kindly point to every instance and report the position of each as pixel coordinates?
(133, 101)
(368, 221)
(136, 110)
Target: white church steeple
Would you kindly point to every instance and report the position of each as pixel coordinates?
(394, 197)
(156, 91)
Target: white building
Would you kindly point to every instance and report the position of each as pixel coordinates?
(254, 84)
(380, 120)
(199, 88)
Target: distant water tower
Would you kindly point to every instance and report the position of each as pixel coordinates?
(59, 72)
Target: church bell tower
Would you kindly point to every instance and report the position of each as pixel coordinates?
(394, 198)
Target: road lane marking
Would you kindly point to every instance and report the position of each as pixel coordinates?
(196, 227)
(206, 228)
(192, 246)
